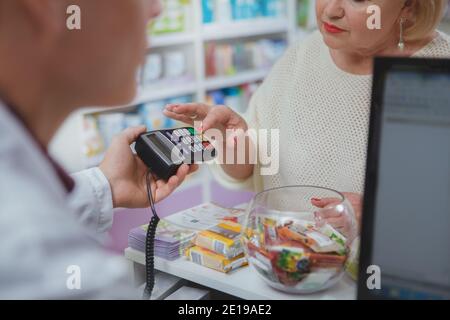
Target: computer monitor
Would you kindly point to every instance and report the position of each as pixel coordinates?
(406, 218)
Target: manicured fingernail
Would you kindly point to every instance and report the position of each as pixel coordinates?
(316, 199)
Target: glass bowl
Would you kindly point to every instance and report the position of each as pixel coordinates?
(298, 237)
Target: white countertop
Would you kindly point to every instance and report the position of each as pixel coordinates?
(244, 283)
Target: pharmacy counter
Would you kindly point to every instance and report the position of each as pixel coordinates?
(244, 283)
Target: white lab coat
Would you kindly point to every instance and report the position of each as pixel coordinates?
(44, 231)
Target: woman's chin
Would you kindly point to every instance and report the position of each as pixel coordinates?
(333, 43)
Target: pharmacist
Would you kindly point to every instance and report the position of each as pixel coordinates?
(50, 222)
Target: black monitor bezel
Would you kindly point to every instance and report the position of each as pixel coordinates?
(382, 67)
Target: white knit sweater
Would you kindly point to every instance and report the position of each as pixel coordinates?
(322, 113)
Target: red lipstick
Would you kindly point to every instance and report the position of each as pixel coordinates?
(331, 28)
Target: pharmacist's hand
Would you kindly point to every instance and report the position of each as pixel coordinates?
(336, 219)
(211, 117)
(126, 173)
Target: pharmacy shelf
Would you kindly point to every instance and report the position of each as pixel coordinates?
(166, 90)
(241, 29)
(236, 80)
(98, 110)
(156, 92)
(244, 283)
(172, 39)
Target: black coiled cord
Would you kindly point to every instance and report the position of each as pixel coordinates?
(150, 244)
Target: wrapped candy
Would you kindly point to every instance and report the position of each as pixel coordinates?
(294, 252)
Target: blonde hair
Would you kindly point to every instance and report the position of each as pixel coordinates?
(428, 15)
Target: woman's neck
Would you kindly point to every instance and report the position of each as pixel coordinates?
(361, 63)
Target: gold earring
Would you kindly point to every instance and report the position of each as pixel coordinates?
(401, 43)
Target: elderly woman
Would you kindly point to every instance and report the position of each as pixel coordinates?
(318, 95)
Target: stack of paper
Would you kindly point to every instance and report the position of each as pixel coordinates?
(170, 240)
(174, 233)
(206, 216)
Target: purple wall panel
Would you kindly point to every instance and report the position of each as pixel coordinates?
(227, 197)
(127, 219)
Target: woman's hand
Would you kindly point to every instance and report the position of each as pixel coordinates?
(217, 117)
(226, 121)
(126, 173)
(336, 219)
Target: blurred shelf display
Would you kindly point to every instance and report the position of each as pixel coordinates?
(167, 90)
(175, 17)
(306, 14)
(154, 92)
(223, 11)
(247, 37)
(167, 66)
(171, 39)
(248, 28)
(236, 80)
(229, 59)
(237, 97)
